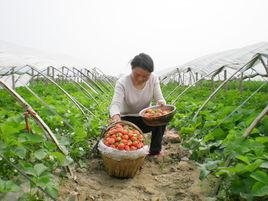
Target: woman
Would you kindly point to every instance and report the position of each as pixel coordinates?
(135, 92)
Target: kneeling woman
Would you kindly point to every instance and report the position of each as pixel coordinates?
(135, 92)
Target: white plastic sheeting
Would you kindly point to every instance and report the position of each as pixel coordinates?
(16, 61)
(16, 56)
(231, 60)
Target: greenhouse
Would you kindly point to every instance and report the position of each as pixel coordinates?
(52, 113)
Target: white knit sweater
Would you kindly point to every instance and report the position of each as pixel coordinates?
(129, 101)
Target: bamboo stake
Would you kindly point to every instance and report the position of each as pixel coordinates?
(13, 79)
(39, 121)
(225, 78)
(246, 135)
(251, 62)
(241, 83)
(212, 83)
(256, 121)
(65, 92)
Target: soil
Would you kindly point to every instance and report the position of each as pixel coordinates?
(170, 177)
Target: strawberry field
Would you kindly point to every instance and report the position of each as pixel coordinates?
(32, 166)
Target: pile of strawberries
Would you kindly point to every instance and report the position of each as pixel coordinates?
(124, 137)
(152, 113)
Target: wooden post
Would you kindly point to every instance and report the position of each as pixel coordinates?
(176, 78)
(183, 78)
(212, 83)
(62, 72)
(241, 83)
(53, 72)
(87, 75)
(267, 65)
(225, 77)
(13, 78)
(190, 78)
(48, 74)
(219, 79)
(201, 82)
(255, 122)
(32, 75)
(48, 71)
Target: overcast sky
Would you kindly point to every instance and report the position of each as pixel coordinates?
(108, 34)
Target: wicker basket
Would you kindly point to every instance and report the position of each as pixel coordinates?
(126, 167)
(158, 121)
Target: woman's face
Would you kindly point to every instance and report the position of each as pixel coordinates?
(140, 75)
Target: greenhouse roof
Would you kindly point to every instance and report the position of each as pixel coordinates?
(232, 59)
(16, 56)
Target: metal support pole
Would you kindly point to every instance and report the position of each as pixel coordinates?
(13, 79)
(241, 83)
(225, 77)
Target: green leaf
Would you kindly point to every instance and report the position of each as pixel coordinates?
(203, 173)
(80, 133)
(218, 133)
(8, 186)
(206, 168)
(39, 169)
(2, 147)
(22, 138)
(8, 128)
(30, 171)
(260, 176)
(259, 189)
(264, 165)
(64, 141)
(50, 145)
(253, 166)
(68, 160)
(210, 123)
(59, 156)
(53, 191)
(34, 138)
(40, 154)
(12, 187)
(45, 180)
(187, 130)
(243, 158)
(250, 119)
(238, 168)
(238, 186)
(262, 139)
(264, 123)
(2, 185)
(20, 152)
(257, 147)
(208, 137)
(246, 196)
(255, 131)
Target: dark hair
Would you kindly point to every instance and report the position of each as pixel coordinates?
(144, 61)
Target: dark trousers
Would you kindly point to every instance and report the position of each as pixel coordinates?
(157, 132)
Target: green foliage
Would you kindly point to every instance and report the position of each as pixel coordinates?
(216, 135)
(213, 137)
(33, 152)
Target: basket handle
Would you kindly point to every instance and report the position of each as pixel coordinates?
(123, 122)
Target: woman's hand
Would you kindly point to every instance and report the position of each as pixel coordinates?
(161, 103)
(115, 118)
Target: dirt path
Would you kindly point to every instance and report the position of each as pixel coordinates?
(168, 178)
